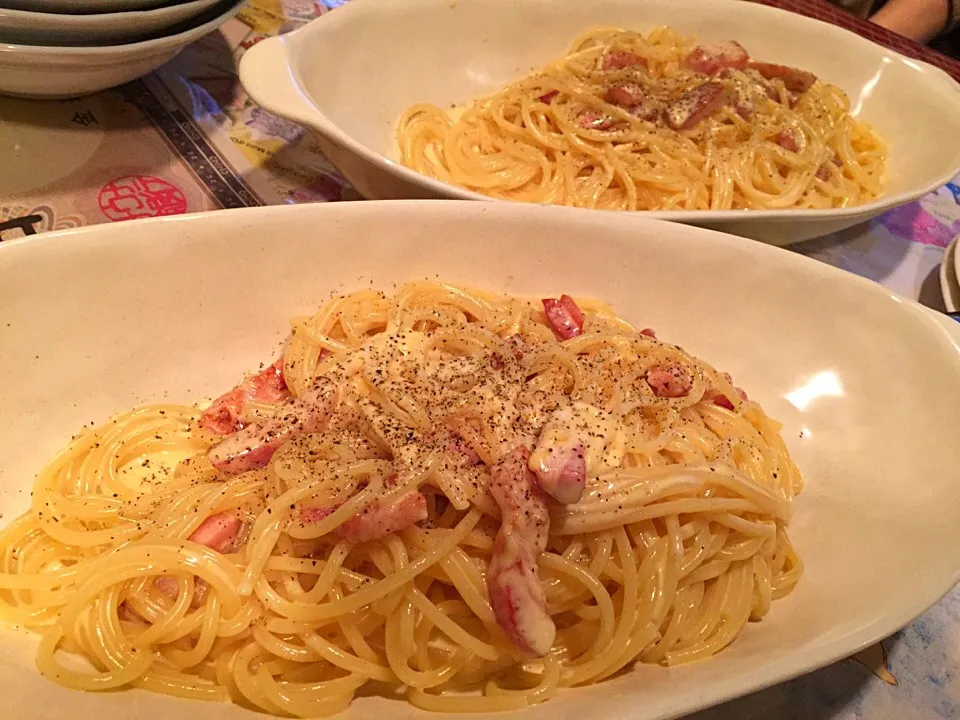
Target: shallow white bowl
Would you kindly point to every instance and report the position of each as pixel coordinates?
(47, 28)
(83, 7)
(97, 320)
(390, 54)
(36, 71)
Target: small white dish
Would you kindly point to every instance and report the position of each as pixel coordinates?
(950, 277)
(45, 28)
(98, 320)
(36, 71)
(390, 54)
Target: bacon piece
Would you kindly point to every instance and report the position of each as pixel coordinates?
(564, 316)
(593, 119)
(619, 59)
(518, 347)
(561, 470)
(794, 79)
(787, 139)
(377, 521)
(253, 446)
(825, 171)
(633, 98)
(266, 387)
(711, 59)
(695, 105)
(743, 105)
(671, 381)
(625, 95)
(516, 595)
(548, 97)
(218, 531)
(714, 396)
(647, 109)
(649, 332)
(459, 448)
(168, 585)
(313, 514)
(722, 401)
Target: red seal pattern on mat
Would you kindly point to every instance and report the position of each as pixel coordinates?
(140, 196)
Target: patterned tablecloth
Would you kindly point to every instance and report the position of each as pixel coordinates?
(187, 138)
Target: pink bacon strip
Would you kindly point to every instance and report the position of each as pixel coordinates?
(669, 381)
(518, 599)
(218, 532)
(267, 387)
(254, 445)
(625, 95)
(564, 316)
(787, 139)
(794, 79)
(721, 400)
(619, 59)
(711, 59)
(377, 520)
(696, 105)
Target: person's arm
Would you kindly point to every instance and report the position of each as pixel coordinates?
(919, 20)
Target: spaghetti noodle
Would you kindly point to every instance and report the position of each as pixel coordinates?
(627, 121)
(473, 497)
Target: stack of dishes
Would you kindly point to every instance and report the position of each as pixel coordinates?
(65, 48)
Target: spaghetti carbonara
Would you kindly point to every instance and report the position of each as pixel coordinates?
(475, 500)
(628, 121)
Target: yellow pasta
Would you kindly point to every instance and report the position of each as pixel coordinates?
(677, 540)
(608, 126)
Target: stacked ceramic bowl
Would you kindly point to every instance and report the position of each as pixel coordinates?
(66, 48)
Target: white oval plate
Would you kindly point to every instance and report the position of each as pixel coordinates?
(46, 28)
(390, 54)
(868, 385)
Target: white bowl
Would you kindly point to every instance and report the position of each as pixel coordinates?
(36, 71)
(97, 320)
(390, 54)
(43, 28)
(83, 7)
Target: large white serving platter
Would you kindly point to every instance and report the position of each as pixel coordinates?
(96, 320)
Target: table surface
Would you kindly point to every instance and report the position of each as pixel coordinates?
(188, 139)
